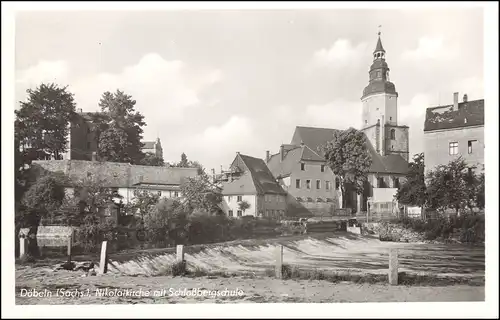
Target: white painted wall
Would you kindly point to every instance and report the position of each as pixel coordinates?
(384, 194)
(231, 203)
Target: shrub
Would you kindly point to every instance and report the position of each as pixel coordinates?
(174, 269)
(27, 259)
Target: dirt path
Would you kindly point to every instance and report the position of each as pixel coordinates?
(64, 286)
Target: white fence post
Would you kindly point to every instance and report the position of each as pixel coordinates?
(180, 252)
(104, 258)
(393, 266)
(279, 262)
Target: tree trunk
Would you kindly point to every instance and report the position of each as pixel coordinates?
(33, 249)
(342, 191)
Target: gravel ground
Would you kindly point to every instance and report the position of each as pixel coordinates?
(67, 287)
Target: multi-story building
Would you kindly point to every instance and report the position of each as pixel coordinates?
(303, 173)
(455, 130)
(388, 146)
(123, 178)
(249, 180)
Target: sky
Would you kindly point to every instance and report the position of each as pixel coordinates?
(213, 83)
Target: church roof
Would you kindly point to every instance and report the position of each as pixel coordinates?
(379, 46)
(316, 137)
(378, 86)
(292, 157)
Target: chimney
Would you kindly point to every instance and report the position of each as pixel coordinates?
(282, 152)
(455, 101)
(267, 156)
(465, 98)
(80, 110)
(382, 137)
(94, 156)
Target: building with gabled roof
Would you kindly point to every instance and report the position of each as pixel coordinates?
(454, 130)
(124, 178)
(303, 173)
(388, 145)
(250, 180)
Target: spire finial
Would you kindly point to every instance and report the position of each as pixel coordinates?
(379, 32)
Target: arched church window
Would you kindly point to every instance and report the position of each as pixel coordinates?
(393, 134)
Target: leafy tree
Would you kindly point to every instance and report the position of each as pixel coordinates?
(42, 197)
(119, 129)
(243, 205)
(412, 191)
(185, 163)
(451, 186)
(42, 122)
(479, 191)
(150, 159)
(348, 157)
(86, 208)
(200, 194)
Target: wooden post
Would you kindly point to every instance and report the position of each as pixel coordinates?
(103, 265)
(70, 245)
(393, 266)
(279, 262)
(22, 246)
(180, 252)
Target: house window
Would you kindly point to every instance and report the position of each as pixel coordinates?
(308, 184)
(366, 121)
(159, 193)
(453, 148)
(229, 199)
(318, 184)
(337, 183)
(176, 194)
(390, 118)
(239, 198)
(322, 168)
(396, 182)
(327, 185)
(470, 144)
(297, 183)
(393, 134)
(380, 182)
(303, 166)
(240, 213)
(230, 213)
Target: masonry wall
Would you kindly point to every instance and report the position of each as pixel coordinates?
(436, 146)
(399, 145)
(312, 172)
(373, 135)
(231, 203)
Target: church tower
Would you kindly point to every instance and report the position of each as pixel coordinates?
(380, 109)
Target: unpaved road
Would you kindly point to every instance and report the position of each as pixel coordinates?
(255, 289)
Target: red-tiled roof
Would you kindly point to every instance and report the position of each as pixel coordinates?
(469, 113)
(316, 137)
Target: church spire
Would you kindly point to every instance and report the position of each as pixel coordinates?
(379, 52)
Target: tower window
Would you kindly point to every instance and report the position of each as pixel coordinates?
(366, 121)
(393, 134)
(390, 118)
